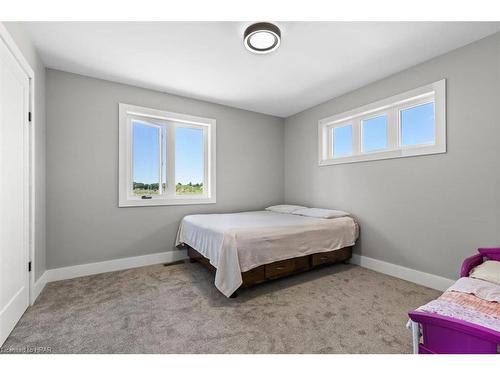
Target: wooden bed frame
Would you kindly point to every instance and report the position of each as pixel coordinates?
(281, 268)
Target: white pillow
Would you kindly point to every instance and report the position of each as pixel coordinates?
(320, 213)
(488, 271)
(284, 208)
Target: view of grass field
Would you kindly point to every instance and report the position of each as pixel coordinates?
(189, 189)
(141, 189)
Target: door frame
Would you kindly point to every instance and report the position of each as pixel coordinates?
(11, 45)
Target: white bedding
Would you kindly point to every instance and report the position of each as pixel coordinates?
(238, 242)
(480, 288)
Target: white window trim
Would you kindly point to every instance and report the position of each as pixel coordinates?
(127, 112)
(391, 107)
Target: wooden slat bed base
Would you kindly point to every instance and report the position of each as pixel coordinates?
(281, 268)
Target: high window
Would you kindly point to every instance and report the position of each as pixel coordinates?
(165, 158)
(409, 124)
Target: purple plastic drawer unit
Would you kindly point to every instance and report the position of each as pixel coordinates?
(437, 334)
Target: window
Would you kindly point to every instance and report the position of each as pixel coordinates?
(165, 158)
(417, 125)
(342, 140)
(189, 161)
(146, 139)
(374, 133)
(409, 124)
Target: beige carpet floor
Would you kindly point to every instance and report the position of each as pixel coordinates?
(176, 309)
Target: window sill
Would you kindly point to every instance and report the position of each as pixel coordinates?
(165, 202)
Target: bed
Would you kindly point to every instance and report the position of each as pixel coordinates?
(465, 319)
(248, 248)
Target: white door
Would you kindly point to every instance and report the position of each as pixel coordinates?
(14, 188)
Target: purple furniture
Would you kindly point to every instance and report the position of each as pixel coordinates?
(445, 335)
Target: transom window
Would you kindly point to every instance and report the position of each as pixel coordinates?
(342, 140)
(374, 132)
(409, 124)
(165, 158)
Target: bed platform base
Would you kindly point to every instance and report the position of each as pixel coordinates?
(281, 268)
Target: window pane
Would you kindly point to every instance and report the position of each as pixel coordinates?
(375, 134)
(342, 141)
(417, 125)
(189, 164)
(146, 158)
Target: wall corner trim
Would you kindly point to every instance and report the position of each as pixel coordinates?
(418, 277)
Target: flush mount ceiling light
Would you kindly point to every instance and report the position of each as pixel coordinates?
(262, 37)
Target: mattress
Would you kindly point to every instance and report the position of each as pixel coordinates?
(237, 242)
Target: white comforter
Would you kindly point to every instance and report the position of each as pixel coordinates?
(238, 242)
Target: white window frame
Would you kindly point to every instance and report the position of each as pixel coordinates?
(391, 107)
(169, 121)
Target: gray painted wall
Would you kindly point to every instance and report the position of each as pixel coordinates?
(27, 48)
(84, 223)
(425, 212)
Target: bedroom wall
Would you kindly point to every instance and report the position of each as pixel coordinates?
(428, 212)
(27, 48)
(84, 223)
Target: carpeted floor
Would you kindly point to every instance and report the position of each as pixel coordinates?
(176, 309)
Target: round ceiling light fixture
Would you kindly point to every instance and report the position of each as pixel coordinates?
(262, 37)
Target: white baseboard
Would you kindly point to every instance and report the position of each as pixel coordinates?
(39, 285)
(418, 277)
(64, 273)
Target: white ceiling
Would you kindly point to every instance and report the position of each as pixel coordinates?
(207, 60)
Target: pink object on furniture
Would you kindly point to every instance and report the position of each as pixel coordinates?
(446, 335)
